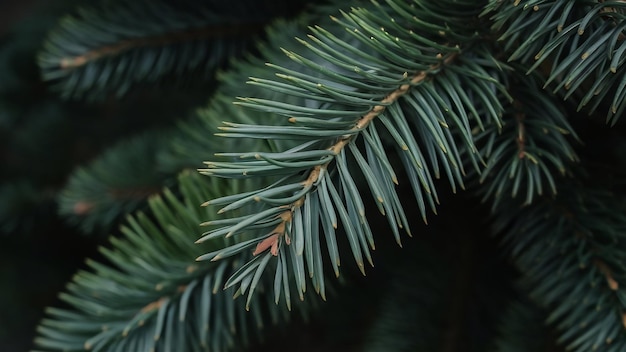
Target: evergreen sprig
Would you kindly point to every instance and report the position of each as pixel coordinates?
(578, 45)
(111, 47)
(148, 293)
(527, 154)
(570, 251)
(119, 182)
(358, 86)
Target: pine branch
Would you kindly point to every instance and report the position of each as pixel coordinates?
(97, 196)
(531, 150)
(578, 45)
(150, 295)
(191, 141)
(571, 252)
(112, 46)
(351, 87)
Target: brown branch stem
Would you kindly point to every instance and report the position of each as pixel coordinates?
(74, 62)
(318, 171)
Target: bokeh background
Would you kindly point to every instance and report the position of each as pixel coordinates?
(42, 139)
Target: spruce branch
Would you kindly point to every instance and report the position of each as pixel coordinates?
(119, 182)
(577, 272)
(352, 83)
(578, 45)
(114, 46)
(532, 148)
(150, 294)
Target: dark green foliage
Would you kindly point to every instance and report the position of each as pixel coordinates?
(575, 273)
(465, 156)
(327, 119)
(156, 296)
(532, 146)
(116, 183)
(581, 57)
(43, 138)
(523, 328)
(110, 47)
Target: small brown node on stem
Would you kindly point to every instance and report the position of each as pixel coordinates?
(270, 242)
(606, 271)
(83, 207)
(154, 305)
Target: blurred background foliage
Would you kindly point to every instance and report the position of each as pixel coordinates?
(42, 138)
